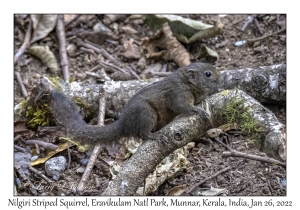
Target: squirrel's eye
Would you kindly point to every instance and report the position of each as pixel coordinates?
(208, 73)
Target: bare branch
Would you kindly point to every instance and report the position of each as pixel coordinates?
(263, 37)
(60, 30)
(26, 42)
(235, 153)
(42, 144)
(97, 148)
(208, 178)
(20, 81)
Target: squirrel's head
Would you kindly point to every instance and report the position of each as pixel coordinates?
(204, 77)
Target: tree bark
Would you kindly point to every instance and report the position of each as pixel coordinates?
(265, 84)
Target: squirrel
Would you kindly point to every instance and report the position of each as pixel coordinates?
(148, 110)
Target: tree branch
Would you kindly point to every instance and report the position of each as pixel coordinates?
(187, 128)
(265, 84)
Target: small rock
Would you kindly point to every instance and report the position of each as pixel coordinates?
(55, 166)
(142, 63)
(71, 48)
(84, 161)
(114, 26)
(256, 44)
(138, 22)
(240, 43)
(80, 170)
(258, 49)
(135, 16)
(37, 76)
(128, 30)
(33, 158)
(100, 27)
(108, 19)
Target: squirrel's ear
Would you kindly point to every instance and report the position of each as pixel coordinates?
(190, 74)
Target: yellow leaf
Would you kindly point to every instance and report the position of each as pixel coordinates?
(60, 148)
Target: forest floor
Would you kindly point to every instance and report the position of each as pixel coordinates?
(247, 177)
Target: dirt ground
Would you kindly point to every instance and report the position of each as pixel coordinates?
(247, 177)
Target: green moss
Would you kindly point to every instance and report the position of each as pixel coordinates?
(24, 103)
(38, 114)
(37, 109)
(237, 112)
(89, 111)
(225, 92)
(71, 79)
(80, 102)
(81, 148)
(55, 83)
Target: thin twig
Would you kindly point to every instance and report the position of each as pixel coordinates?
(263, 37)
(160, 74)
(40, 174)
(234, 153)
(236, 22)
(93, 74)
(60, 30)
(105, 161)
(97, 148)
(258, 26)
(103, 52)
(69, 156)
(87, 50)
(97, 50)
(133, 73)
(21, 149)
(94, 68)
(43, 144)
(269, 184)
(208, 178)
(71, 21)
(71, 38)
(26, 42)
(20, 81)
(227, 147)
(249, 21)
(103, 64)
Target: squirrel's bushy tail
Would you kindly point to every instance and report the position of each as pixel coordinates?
(66, 114)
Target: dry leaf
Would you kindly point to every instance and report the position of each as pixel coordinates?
(42, 25)
(43, 53)
(214, 192)
(132, 51)
(68, 17)
(214, 132)
(178, 190)
(167, 168)
(182, 26)
(20, 126)
(61, 147)
(211, 55)
(165, 46)
(203, 34)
